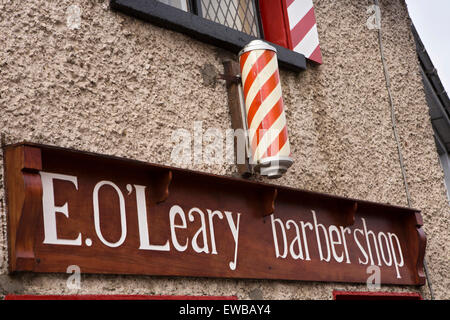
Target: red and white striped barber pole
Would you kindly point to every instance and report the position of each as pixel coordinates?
(265, 117)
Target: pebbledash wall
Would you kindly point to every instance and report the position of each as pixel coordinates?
(120, 86)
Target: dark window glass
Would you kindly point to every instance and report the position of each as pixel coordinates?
(240, 15)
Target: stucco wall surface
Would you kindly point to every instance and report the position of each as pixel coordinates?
(120, 86)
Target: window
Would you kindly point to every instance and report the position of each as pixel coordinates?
(239, 15)
(236, 14)
(231, 24)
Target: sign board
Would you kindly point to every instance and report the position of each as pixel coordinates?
(118, 216)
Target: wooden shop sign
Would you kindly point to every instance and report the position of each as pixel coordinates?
(112, 215)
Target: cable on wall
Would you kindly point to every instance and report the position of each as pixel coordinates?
(397, 140)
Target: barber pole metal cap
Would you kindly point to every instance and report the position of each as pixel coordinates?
(257, 45)
(265, 117)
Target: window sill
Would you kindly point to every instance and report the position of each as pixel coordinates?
(201, 29)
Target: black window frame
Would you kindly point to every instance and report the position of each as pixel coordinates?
(194, 25)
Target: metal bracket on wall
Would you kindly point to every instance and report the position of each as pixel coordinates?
(236, 79)
(238, 118)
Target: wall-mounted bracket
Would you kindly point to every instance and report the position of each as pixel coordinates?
(236, 79)
(24, 198)
(421, 246)
(350, 210)
(161, 186)
(238, 117)
(268, 201)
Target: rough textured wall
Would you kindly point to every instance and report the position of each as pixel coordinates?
(120, 86)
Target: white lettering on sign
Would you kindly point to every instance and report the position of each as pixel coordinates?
(50, 210)
(211, 215)
(375, 249)
(143, 224)
(235, 232)
(199, 242)
(174, 212)
(335, 244)
(201, 231)
(123, 218)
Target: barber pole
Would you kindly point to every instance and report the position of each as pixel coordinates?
(265, 117)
